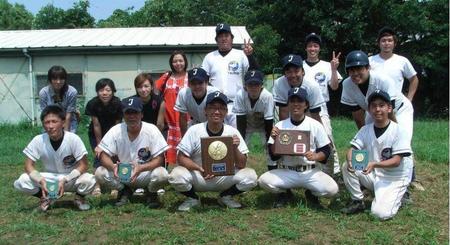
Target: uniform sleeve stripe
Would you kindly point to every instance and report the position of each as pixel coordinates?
(348, 103)
(160, 151)
(184, 151)
(354, 144)
(29, 155)
(400, 151)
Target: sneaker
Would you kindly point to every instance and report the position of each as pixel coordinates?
(354, 207)
(152, 200)
(123, 196)
(229, 202)
(283, 199)
(44, 204)
(139, 191)
(406, 199)
(188, 204)
(81, 203)
(312, 199)
(417, 185)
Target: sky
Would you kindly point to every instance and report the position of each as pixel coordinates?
(99, 9)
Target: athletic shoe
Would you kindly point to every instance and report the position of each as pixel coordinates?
(44, 204)
(188, 204)
(81, 203)
(355, 206)
(312, 200)
(229, 202)
(139, 191)
(152, 200)
(283, 199)
(406, 199)
(123, 196)
(416, 185)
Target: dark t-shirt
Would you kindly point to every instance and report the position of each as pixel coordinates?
(107, 114)
(151, 109)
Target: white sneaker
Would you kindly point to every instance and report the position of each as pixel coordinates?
(188, 204)
(229, 202)
(139, 191)
(81, 203)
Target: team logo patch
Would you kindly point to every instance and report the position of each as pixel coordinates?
(144, 154)
(386, 153)
(233, 67)
(69, 161)
(320, 77)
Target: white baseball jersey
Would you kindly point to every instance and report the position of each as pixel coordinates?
(226, 72)
(397, 67)
(186, 104)
(149, 143)
(62, 161)
(392, 142)
(281, 89)
(352, 95)
(321, 73)
(190, 144)
(318, 138)
(262, 110)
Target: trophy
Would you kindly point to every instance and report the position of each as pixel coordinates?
(52, 189)
(292, 142)
(360, 159)
(124, 172)
(218, 155)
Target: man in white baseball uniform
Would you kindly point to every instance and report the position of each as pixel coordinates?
(300, 171)
(63, 156)
(139, 143)
(192, 99)
(188, 177)
(389, 169)
(393, 65)
(294, 77)
(226, 66)
(326, 75)
(253, 106)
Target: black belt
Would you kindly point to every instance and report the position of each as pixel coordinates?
(300, 168)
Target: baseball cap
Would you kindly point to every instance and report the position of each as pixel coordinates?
(298, 92)
(313, 37)
(254, 77)
(379, 94)
(219, 96)
(223, 27)
(132, 103)
(292, 59)
(385, 30)
(197, 74)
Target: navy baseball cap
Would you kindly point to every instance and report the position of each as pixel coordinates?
(313, 37)
(292, 59)
(254, 77)
(132, 103)
(379, 94)
(385, 31)
(223, 27)
(298, 92)
(197, 74)
(216, 96)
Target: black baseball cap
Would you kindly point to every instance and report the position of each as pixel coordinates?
(292, 59)
(379, 94)
(223, 27)
(254, 77)
(298, 92)
(216, 96)
(197, 74)
(313, 37)
(133, 103)
(385, 31)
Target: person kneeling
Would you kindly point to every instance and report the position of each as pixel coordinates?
(189, 176)
(300, 171)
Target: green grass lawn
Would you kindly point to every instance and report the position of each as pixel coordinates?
(423, 222)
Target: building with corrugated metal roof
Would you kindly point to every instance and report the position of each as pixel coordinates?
(89, 55)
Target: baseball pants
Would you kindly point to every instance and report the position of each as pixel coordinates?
(279, 180)
(184, 180)
(82, 185)
(332, 166)
(388, 191)
(150, 180)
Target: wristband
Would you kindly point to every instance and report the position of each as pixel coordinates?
(35, 176)
(72, 175)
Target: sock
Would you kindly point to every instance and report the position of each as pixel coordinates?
(231, 191)
(190, 193)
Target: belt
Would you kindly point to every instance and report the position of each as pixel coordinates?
(300, 168)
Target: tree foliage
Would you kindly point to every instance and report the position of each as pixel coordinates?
(51, 17)
(14, 17)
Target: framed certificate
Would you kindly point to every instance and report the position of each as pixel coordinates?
(292, 142)
(218, 155)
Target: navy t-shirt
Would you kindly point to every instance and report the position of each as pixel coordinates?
(107, 114)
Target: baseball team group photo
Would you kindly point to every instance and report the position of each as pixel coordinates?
(217, 136)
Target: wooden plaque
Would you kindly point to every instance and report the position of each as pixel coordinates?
(292, 142)
(218, 155)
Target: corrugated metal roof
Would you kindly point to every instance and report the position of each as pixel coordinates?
(115, 37)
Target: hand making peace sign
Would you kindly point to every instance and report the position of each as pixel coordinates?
(248, 49)
(335, 61)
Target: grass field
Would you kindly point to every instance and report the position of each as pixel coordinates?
(423, 222)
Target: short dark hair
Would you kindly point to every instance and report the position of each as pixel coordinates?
(53, 109)
(173, 55)
(386, 31)
(103, 83)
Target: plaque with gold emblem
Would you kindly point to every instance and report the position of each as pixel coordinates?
(124, 172)
(292, 142)
(218, 155)
(360, 159)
